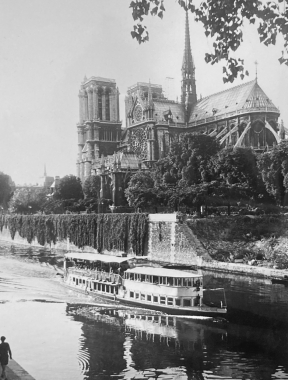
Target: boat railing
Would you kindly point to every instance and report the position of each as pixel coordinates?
(97, 275)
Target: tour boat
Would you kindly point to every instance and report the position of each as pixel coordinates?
(168, 290)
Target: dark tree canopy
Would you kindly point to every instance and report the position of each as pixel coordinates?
(140, 191)
(187, 160)
(273, 166)
(69, 187)
(28, 200)
(224, 21)
(6, 189)
(92, 186)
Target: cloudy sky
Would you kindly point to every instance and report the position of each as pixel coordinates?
(48, 46)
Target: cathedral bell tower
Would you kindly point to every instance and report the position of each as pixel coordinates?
(188, 88)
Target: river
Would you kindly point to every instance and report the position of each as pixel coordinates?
(57, 334)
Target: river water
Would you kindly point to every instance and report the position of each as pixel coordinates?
(56, 334)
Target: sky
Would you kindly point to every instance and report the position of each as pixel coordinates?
(48, 46)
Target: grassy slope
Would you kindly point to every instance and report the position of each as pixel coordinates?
(264, 238)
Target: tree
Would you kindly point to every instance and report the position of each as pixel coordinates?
(140, 191)
(92, 186)
(6, 189)
(236, 177)
(69, 187)
(28, 200)
(273, 166)
(224, 22)
(187, 160)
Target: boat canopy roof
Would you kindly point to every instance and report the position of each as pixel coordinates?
(163, 272)
(96, 257)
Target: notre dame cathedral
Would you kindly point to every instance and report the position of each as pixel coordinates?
(241, 116)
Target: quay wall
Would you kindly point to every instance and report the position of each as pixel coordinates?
(171, 240)
(174, 240)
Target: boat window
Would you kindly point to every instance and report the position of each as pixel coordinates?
(142, 277)
(74, 279)
(163, 300)
(137, 295)
(155, 299)
(197, 300)
(147, 278)
(155, 280)
(186, 302)
(142, 297)
(178, 281)
(163, 320)
(187, 282)
(156, 318)
(170, 281)
(149, 298)
(169, 301)
(177, 302)
(170, 321)
(131, 294)
(132, 276)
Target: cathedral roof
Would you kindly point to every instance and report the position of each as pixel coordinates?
(161, 106)
(247, 97)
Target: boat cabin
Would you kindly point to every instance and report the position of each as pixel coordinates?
(164, 286)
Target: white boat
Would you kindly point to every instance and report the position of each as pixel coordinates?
(168, 290)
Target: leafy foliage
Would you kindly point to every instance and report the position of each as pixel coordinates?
(69, 187)
(6, 189)
(140, 191)
(235, 170)
(124, 232)
(273, 166)
(92, 186)
(28, 200)
(223, 22)
(187, 160)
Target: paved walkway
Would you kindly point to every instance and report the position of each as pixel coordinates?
(16, 372)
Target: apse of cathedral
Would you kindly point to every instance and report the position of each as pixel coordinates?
(242, 116)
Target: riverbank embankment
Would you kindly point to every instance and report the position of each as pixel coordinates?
(247, 244)
(16, 372)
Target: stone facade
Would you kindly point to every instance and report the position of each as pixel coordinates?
(99, 127)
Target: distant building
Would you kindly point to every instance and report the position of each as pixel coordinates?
(44, 182)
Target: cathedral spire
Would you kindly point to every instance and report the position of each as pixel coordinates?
(188, 89)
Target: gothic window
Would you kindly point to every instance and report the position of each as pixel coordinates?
(107, 104)
(138, 113)
(138, 143)
(100, 93)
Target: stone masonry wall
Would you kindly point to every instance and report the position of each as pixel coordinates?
(170, 240)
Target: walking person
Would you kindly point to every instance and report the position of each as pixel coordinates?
(5, 352)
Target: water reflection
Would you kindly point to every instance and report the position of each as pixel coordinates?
(124, 345)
